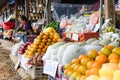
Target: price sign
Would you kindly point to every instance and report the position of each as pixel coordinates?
(75, 37)
(50, 68)
(68, 35)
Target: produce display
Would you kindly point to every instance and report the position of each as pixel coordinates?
(23, 48)
(36, 60)
(48, 37)
(55, 25)
(95, 65)
(109, 29)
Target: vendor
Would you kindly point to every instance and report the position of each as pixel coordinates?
(23, 30)
(25, 26)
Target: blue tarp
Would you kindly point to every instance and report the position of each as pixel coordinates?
(12, 2)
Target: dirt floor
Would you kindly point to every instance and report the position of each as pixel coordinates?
(7, 71)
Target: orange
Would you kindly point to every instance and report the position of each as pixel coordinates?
(59, 40)
(89, 64)
(82, 56)
(42, 33)
(42, 44)
(101, 58)
(42, 52)
(106, 51)
(44, 49)
(45, 37)
(110, 47)
(54, 40)
(116, 50)
(51, 36)
(94, 71)
(85, 61)
(88, 72)
(76, 67)
(46, 46)
(114, 61)
(39, 50)
(67, 66)
(92, 54)
(48, 43)
(82, 69)
(83, 77)
(67, 70)
(76, 60)
(49, 40)
(113, 56)
(97, 64)
(44, 40)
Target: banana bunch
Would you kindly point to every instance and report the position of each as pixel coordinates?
(109, 29)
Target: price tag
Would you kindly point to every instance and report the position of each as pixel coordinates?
(68, 35)
(75, 37)
(50, 68)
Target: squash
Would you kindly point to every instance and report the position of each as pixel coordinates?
(116, 75)
(92, 77)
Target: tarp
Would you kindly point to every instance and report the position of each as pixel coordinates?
(8, 25)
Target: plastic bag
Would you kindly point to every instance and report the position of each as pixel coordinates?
(71, 52)
(61, 52)
(16, 47)
(90, 47)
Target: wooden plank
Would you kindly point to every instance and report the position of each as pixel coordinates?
(110, 10)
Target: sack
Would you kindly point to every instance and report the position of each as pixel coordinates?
(16, 47)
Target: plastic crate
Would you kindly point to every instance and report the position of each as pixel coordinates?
(37, 73)
(29, 38)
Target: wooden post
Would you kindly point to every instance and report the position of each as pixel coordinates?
(16, 13)
(48, 12)
(110, 10)
(27, 8)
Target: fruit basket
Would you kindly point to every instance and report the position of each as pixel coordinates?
(36, 72)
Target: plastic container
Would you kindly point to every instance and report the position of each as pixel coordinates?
(37, 72)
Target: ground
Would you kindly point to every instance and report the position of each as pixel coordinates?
(7, 71)
(7, 61)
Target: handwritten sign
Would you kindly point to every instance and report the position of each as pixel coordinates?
(50, 68)
(75, 37)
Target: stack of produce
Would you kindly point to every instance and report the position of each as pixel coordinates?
(109, 29)
(23, 48)
(102, 65)
(55, 25)
(36, 60)
(48, 37)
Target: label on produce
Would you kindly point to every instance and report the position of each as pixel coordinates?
(68, 35)
(50, 68)
(75, 37)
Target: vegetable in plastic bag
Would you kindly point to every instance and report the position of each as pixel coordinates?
(72, 52)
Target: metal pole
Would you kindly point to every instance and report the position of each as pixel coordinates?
(101, 9)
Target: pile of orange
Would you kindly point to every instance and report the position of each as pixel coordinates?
(41, 43)
(91, 63)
